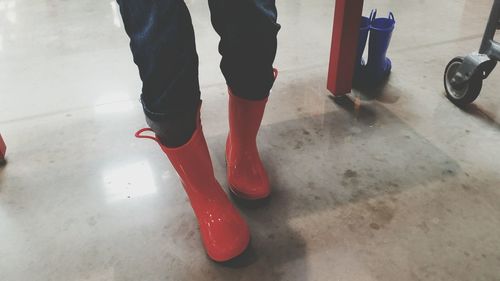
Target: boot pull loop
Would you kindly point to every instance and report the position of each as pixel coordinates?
(373, 15)
(139, 135)
(275, 73)
(391, 16)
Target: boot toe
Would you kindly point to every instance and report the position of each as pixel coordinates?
(252, 188)
(225, 236)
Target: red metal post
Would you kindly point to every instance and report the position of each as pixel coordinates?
(3, 149)
(345, 38)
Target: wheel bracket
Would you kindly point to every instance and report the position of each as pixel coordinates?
(474, 64)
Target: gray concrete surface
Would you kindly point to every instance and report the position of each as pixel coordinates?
(395, 184)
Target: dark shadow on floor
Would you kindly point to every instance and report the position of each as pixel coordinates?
(483, 115)
(321, 162)
(383, 92)
(3, 164)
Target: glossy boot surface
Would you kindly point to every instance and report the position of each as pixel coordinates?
(224, 233)
(379, 66)
(3, 150)
(245, 172)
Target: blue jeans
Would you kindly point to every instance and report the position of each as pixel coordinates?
(163, 46)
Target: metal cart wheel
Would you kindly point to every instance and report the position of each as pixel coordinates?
(465, 94)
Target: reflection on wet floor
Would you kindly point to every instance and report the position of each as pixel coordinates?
(385, 184)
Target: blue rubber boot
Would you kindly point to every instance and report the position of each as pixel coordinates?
(379, 66)
(363, 37)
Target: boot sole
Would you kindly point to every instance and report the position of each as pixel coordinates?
(239, 195)
(235, 192)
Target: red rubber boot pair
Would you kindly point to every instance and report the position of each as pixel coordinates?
(224, 233)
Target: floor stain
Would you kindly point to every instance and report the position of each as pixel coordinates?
(350, 174)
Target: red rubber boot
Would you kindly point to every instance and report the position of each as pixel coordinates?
(224, 233)
(246, 175)
(3, 150)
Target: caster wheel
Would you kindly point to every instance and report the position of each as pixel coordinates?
(466, 93)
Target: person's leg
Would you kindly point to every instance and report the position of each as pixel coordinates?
(162, 42)
(248, 31)
(163, 46)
